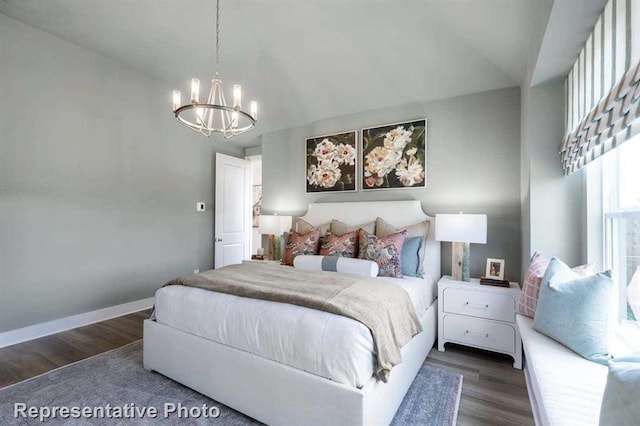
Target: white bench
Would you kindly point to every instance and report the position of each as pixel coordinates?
(564, 388)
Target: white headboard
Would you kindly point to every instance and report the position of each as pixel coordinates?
(396, 213)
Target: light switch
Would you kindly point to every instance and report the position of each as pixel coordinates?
(200, 206)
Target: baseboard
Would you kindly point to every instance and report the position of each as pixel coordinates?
(31, 332)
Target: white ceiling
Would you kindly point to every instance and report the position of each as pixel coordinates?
(305, 60)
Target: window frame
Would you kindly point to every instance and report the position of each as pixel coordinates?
(613, 217)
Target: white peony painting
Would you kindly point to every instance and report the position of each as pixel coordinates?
(331, 162)
(394, 156)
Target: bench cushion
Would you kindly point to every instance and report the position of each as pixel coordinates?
(565, 389)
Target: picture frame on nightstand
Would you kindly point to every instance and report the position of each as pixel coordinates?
(495, 269)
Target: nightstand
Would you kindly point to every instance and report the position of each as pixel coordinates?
(481, 316)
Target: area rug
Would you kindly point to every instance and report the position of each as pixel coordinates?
(114, 388)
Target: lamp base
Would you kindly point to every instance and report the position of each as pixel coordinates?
(274, 247)
(270, 247)
(460, 261)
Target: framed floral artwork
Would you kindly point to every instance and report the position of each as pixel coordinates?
(331, 162)
(394, 156)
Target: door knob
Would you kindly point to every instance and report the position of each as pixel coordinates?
(218, 240)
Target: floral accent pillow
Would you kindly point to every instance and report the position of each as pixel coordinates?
(420, 229)
(345, 245)
(298, 244)
(533, 279)
(385, 251)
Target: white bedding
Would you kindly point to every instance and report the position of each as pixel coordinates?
(328, 345)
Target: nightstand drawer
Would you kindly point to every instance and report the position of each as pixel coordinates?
(481, 333)
(479, 304)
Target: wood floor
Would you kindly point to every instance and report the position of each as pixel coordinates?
(493, 392)
(29, 359)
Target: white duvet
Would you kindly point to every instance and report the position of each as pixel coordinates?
(324, 344)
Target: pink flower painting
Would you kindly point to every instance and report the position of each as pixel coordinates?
(394, 156)
(331, 162)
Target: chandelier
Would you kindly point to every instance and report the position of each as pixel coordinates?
(214, 115)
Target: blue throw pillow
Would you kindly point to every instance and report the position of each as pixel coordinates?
(574, 310)
(620, 403)
(410, 260)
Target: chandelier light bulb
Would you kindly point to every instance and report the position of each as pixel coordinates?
(237, 96)
(176, 99)
(254, 110)
(234, 120)
(195, 90)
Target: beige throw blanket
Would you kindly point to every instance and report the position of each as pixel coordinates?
(381, 306)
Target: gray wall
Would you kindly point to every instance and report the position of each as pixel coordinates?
(552, 204)
(473, 165)
(525, 181)
(556, 200)
(98, 183)
(540, 19)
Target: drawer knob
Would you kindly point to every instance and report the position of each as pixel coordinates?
(477, 305)
(476, 333)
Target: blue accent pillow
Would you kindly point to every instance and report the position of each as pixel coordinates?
(574, 310)
(620, 403)
(410, 260)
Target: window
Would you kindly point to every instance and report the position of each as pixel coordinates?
(621, 207)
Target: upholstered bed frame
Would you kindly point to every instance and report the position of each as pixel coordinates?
(277, 394)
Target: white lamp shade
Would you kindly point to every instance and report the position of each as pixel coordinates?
(462, 228)
(273, 224)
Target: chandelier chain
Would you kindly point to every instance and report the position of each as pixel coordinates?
(217, 35)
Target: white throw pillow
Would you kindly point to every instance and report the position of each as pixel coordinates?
(344, 265)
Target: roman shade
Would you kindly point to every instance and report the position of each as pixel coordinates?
(609, 124)
(602, 88)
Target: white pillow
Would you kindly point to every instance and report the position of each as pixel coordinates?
(344, 265)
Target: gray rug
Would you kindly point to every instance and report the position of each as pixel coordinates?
(117, 378)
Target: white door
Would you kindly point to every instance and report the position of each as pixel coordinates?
(232, 240)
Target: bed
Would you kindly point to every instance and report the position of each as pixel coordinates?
(263, 377)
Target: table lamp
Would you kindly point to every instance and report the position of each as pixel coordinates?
(272, 225)
(461, 230)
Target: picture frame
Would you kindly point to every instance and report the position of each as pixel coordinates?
(331, 162)
(394, 156)
(495, 269)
